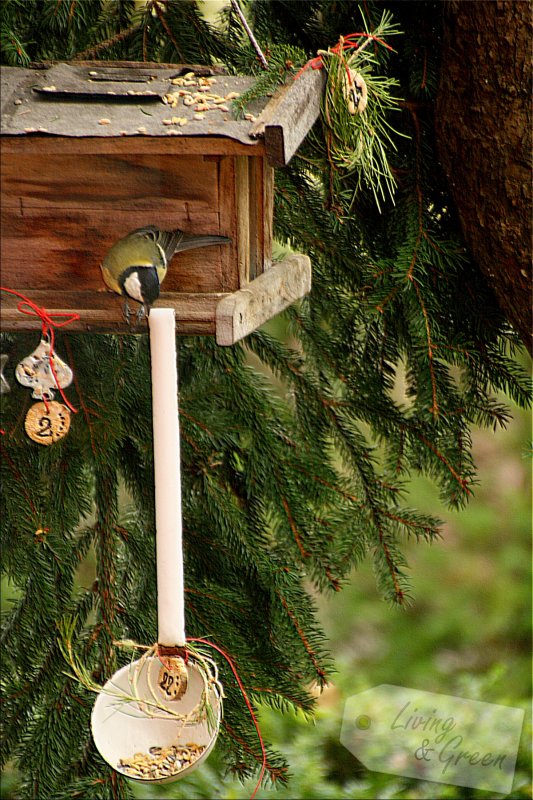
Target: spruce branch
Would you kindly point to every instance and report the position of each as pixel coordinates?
(95, 50)
(160, 12)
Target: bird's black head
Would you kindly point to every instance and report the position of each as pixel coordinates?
(141, 284)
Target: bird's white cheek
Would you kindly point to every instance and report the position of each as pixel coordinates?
(132, 286)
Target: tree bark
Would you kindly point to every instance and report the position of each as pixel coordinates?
(483, 127)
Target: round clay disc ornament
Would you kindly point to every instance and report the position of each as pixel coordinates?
(172, 679)
(45, 423)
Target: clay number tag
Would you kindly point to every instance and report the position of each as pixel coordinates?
(47, 425)
(173, 678)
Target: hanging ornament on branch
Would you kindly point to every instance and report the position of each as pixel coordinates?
(355, 109)
(44, 372)
(355, 92)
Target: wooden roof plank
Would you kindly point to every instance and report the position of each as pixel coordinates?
(76, 100)
(290, 115)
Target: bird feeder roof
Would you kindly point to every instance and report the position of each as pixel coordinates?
(123, 99)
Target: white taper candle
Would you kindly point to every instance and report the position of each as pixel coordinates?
(167, 476)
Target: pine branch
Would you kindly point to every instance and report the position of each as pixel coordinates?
(95, 50)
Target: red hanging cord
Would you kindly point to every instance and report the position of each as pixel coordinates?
(27, 306)
(347, 42)
(249, 705)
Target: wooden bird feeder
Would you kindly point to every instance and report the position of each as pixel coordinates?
(93, 150)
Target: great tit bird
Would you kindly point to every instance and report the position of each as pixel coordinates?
(136, 265)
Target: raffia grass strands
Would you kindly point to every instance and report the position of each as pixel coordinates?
(152, 706)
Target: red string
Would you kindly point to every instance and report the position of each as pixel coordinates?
(249, 705)
(347, 42)
(27, 306)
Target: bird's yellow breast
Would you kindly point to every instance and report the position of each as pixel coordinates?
(161, 272)
(110, 280)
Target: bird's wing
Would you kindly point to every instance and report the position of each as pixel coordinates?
(168, 241)
(149, 231)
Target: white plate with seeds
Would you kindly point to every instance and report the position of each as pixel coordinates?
(146, 737)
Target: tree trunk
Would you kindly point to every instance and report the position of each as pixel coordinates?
(483, 126)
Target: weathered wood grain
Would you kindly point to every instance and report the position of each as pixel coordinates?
(130, 180)
(102, 312)
(60, 215)
(268, 214)
(177, 69)
(242, 312)
(289, 116)
(244, 220)
(257, 222)
(228, 277)
(175, 143)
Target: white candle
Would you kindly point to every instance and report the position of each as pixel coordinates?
(169, 553)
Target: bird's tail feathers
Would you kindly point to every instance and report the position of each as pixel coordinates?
(172, 242)
(189, 241)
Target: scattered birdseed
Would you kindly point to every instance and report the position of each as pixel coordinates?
(160, 762)
(203, 99)
(17, 102)
(199, 116)
(104, 121)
